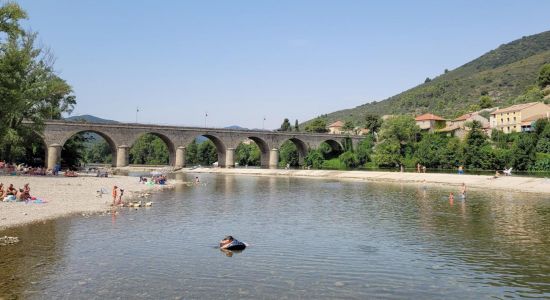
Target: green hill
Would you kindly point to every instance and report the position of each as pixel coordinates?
(503, 74)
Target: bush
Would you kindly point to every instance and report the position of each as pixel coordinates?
(349, 159)
(314, 159)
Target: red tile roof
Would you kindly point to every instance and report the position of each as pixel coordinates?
(464, 117)
(513, 108)
(428, 117)
(337, 124)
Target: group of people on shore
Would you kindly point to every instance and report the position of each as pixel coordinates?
(13, 194)
(22, 169)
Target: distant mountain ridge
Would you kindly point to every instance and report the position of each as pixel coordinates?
(503, 74)
(91, 119)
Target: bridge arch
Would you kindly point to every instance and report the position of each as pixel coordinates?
(301, 147)
(57, 149)
(264, 150)
(165, 139)
(218, 143)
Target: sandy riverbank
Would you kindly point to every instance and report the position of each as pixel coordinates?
(65, 196)
(503, 183)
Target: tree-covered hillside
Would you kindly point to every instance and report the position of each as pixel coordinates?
(503, 74)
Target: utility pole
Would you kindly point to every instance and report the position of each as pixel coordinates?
(263, 124)
(137, 110)
(205, 116)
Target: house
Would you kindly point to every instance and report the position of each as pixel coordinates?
(511, 119)
(528, 123)
(430, 122)
(457, 127)
(361, 131)
(336, 127)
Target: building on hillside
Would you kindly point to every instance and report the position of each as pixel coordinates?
(430, 122)
(336, 127)
(528, 123)
(457, 127)
(510, 119)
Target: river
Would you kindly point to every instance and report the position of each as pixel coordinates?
(308, 238)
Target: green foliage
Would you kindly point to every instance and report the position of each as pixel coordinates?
(430, 151)
(475, 146)
(247, 154)
(286, 125)
(29, 87)
(149, 149)
(333, 164)
(532, 94)
(204, 153)
(191, 157)
(348, 126)
(349, 159)
(364, 149)
(318, 125)
(99, 152)
(373, 122)
(486, 102)
(288, 154)
(72, 153)
(207, 153)
(388, 153)
(544, 76)
(314, 159)
(524, 151)
(401, 128)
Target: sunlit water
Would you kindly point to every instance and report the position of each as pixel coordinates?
(309, 238)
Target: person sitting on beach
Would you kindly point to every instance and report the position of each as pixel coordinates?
(2, 192)
(11, 190)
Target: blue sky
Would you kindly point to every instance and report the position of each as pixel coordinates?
(243, 60)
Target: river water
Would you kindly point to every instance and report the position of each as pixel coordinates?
(308, 238)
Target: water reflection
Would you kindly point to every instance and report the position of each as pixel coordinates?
(309, 239)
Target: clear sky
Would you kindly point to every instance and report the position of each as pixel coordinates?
(243, 60)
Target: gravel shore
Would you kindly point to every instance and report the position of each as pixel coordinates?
(503, 183)
(65, 196)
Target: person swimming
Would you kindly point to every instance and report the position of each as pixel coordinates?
(230, 243)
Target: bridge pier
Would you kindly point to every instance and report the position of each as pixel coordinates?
(122, 156)
(230, 158)
(274, 158)
(54, 155)
(180, 157)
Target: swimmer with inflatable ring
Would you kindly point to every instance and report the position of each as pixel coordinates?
(229, 243)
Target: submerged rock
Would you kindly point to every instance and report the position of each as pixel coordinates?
(8, 240)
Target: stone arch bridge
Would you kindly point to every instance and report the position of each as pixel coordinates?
(121, 136)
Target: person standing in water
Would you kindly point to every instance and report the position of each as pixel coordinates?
(463, 190)
(115, 194)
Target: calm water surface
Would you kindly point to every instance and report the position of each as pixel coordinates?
(309, 238)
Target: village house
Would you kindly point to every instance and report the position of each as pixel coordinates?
(336, 127)
(430, 122)
(519, 117)
(457, 127)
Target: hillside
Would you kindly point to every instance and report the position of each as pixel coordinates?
(90, 119)
(503, 74)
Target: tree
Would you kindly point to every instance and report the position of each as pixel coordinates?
(430, 151)
(191, 157)
(523, 151)
(348, 126)
(473, 144)
(288, 154)
(373, 122)
(364, 149)
(349, 159)
(149, 149)
(247, 154)
(388, 153)
(285, 126)
(314, 159)
(531, 94)
(318, 125)
(427, 80)
(296, 127)
(544, 76)
(207, 153)
(29, 88)
(486, 102)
